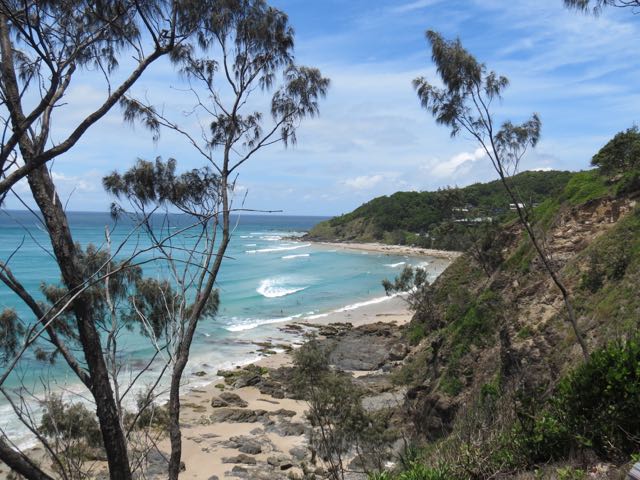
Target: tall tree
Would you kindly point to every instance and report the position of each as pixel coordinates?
(243, 43)
(43, 47)
(255, 43)
(464, 104)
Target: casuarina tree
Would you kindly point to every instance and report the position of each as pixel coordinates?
(243, 43)
(255, 42)
(465, 104)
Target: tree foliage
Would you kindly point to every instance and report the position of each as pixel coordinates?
(228, 51)
(464, 104)
(444, 218)
(45, 45)
(596, 6)
(621, 154)
(341, 427)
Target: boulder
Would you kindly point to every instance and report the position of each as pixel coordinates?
(398, 352)
(247, 381)
(299, 453)
(238, 415)
(242, 458)
(251, 447)
(233, 399)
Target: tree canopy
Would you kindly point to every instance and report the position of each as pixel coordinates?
(621, 154)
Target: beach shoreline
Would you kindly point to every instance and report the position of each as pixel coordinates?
(208, 446)
(373, 247)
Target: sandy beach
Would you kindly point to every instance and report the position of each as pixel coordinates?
(214, 448)
(231, 430)
(391, 249)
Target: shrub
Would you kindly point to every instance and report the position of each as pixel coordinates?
(620, 154)
(618, 261)
(148, 414)
(541, 438)
(629, 183)
(340, 425)
(70, 422)
(592, 279)
(419, 471)
(600, 401)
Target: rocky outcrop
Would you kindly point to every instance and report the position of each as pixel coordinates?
(369, 347)
(227, 399)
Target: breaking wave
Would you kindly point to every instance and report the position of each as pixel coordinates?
(282, 248)
(275, 287)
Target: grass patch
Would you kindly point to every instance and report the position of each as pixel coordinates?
(586, 186)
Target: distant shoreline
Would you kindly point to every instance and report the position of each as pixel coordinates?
(390, 249)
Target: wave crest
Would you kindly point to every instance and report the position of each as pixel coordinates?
(281, 248)
(274, 288)
(394, 265)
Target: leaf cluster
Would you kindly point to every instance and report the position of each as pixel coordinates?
(156, 183)
(621, 154)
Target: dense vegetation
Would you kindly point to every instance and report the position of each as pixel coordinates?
(495, 363)
(440, 219)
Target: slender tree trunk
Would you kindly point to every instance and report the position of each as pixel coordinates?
(115, 445)
(175, 435)
(571, 315)
(20, 463)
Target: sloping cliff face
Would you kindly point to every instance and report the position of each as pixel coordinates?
(491, 341)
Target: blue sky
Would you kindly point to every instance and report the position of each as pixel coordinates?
(372, 138)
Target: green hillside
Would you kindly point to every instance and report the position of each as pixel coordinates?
(498, 386)
(439, 219)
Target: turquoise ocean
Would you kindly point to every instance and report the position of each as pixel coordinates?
(268, 279)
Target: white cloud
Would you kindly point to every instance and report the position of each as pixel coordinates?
(456, 164)
(84, 183)
(364, 182)
(412, 6)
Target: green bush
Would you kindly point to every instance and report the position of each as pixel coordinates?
(415, 333)
(600, 401)
(541, 438)
(570, 473)
(629, 183)
(592, 279)
(419, 471)
(70, 422)
(620, 154)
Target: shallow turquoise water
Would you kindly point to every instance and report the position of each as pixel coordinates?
(267, 279)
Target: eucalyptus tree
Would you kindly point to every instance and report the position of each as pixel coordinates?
(245, 54)
(464, 104)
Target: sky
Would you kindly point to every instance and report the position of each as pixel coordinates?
(578, 72)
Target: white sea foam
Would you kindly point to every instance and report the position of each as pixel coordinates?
(316, 316)
(288, 257)
(364, 304)
(250, 245)
(394, 265)
(279, 249)
(255, 323)
(277, 287)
